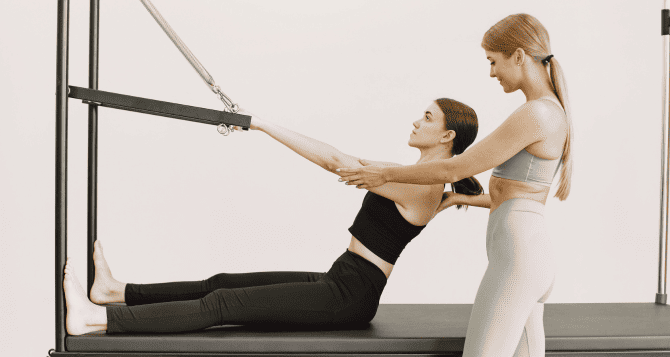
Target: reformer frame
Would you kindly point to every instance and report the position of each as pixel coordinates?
(658, 316)
(95, 98)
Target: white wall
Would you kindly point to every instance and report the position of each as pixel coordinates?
(177, 201)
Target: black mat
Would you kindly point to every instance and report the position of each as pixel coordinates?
(420, 328)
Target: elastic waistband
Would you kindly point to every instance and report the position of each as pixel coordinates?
(528, 179)
(364, 267)
(521, 204)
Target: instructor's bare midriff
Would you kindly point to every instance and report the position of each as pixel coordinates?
(357, 247)
(502, 189)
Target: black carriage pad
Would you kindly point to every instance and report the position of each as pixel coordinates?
(420, 329)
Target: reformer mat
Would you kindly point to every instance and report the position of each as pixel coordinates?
(413, 329)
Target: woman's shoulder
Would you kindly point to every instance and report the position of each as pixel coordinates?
(420, 208)
(542, 113)
(433, 194)
(545, 106)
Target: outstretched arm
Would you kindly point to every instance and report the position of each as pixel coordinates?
(379, 163)
(524, 127)
(331, 158)
(453, 199)
(320, 153)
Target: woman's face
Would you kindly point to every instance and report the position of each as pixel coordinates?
(505, 70)
(430, 129)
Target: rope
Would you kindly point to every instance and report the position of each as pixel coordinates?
(232, 107)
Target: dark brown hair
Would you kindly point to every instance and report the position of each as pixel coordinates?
(463, 120)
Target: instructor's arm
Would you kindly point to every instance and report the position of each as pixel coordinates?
(524, 127)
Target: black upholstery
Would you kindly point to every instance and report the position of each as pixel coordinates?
(422, 328)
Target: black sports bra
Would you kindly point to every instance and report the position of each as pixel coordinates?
(382, 229)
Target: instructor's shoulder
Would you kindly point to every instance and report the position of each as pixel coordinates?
(535, 114)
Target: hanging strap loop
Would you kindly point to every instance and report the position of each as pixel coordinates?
(230, 106)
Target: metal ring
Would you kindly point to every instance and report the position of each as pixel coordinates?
(223, 129)
(235, 108)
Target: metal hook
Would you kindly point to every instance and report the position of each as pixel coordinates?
(231, 107)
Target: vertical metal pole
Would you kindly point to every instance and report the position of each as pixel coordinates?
(661, 296)
(61, 167)
(92, 142)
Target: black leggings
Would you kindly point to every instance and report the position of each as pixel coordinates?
(347, 294)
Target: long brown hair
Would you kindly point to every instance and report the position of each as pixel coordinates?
(463, 120)
(526, 32)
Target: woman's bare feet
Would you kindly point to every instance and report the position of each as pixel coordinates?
(82, 315)
(105, 288)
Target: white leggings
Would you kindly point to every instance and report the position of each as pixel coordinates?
(506, 317)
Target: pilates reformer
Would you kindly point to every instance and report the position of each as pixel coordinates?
(603, 329)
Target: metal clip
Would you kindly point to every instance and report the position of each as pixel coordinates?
(224, 129)
(232, 107)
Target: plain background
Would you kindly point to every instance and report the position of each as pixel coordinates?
(177, 201)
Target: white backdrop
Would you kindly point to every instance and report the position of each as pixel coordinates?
(177, 201)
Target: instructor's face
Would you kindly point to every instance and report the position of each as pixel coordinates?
(503, 69)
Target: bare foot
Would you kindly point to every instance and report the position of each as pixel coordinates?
(82, 315)
(105, 288)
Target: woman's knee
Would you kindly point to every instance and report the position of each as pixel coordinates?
(217, 281)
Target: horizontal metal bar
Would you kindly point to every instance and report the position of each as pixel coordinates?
(160, 108)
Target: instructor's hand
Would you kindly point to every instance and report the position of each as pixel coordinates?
(367, 176)
(448, 199)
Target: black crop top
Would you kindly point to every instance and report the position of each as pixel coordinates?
(382, 229)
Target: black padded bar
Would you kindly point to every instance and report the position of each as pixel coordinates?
(160, 108)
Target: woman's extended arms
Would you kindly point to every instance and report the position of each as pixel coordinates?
(320, 153)
(379, 163)
(524, 127)
(330, 158)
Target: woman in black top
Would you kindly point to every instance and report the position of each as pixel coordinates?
(391, 215)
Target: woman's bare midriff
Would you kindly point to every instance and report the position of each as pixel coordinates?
(502, 190)
(357, 247)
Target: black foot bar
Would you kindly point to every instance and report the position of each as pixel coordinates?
(157, 107)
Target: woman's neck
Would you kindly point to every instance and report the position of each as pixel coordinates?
(436, 153)
(537, 85)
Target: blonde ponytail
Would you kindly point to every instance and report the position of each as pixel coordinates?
(561, 91)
